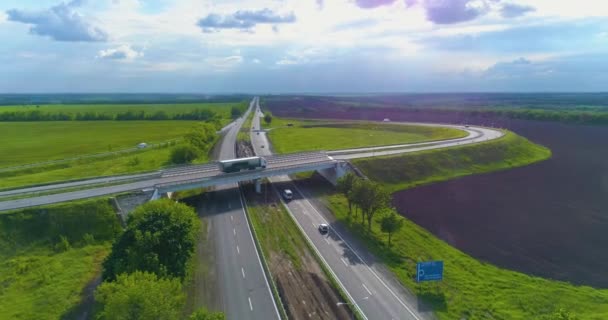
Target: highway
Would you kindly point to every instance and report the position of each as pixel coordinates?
(372, 289)
(244, 289)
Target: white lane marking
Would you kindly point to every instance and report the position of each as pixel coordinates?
(238, 250)
(231, 218)
(243, 272)
(250, 305)
(350, 297)
(344, 261)
(274, 304)
(326, 241)
(234, 231)
(366, 289)
(359, 257)
(313, 225)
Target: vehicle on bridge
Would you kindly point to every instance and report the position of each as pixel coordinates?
(235, 165)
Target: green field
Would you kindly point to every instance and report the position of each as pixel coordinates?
(315, 135)
(139, 161)
(42, 279)
(31, 142)
(221, 109)
(412, 169)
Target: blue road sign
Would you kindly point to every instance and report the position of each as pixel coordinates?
(429, 271)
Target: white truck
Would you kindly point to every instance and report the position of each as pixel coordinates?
(235, 165)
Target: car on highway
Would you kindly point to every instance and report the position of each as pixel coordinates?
(287, 194)
(324, 228)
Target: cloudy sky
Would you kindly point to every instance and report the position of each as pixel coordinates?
(279, 46)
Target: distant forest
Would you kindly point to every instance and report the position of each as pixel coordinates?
(119, 98)
(36, 115)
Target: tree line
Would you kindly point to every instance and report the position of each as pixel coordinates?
(367, 199)
(144, 273)
(131, 115)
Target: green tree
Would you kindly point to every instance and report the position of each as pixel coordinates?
(390, 222)
(203, 314)
(202, 136)
(184, 154)
(268, 118)
(160, 238)
(345, 186)
(140, 295)
(236, 112)
(370, 197)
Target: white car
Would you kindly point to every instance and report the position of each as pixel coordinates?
(324, 228)
(287, 194)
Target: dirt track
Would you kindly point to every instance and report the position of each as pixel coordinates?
(548, 219)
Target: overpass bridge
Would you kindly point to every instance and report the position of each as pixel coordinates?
(181, 178)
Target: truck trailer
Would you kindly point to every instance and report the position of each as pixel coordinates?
(235, 165)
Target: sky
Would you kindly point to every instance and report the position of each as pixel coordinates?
(306, 46)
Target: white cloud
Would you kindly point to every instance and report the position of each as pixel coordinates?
(61, 22)
(122, 52)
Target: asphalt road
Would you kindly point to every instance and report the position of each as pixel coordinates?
(371, 288)
(244, 289)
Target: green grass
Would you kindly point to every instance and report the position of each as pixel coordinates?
(43, 284)
(412, 169)
(222, 109)
(471, 289)
(309, 136)
(139, 161)
(31, 142)
(38, 279)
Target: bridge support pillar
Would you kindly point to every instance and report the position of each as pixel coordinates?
(156, 195)
(333, 174)
(258, 185)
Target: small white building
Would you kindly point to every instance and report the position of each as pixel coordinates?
(386, 120)
(142, 145)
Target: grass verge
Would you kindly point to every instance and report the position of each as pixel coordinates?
(413, 169)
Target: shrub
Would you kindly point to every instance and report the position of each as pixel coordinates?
(184, 154)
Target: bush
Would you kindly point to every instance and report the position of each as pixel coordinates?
(63, 244)
(140, 295)
(184, 154)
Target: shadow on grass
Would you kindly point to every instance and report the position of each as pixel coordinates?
(432, 301)
(87, 306)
